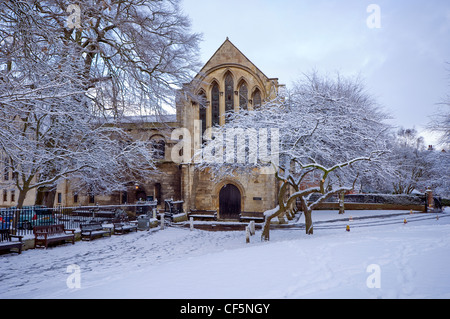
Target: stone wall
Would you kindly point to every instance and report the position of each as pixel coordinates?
(258, 192)
(375, 202)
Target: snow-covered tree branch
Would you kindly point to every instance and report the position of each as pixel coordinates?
(62, 83)
(330, 134)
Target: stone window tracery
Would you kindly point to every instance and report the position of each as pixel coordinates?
(257, 101)
(243, 96)
(215, 101)
(229, 91)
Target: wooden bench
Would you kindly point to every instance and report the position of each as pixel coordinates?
(107, 214)
(249, 216)
(202, 214)
(43, 235)
(93, 230)
(83, 212)
(6, 242)
(121, 228)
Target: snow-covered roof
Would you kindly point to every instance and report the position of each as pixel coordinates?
(167, 118)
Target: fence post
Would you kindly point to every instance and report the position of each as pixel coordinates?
(15, 221)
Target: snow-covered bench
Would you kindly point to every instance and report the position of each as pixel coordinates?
(121, 228)
(6, 242)
(203, 214)
(43, 235)
(249, 216)
(92, 230)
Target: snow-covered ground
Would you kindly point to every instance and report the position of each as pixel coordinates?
(379, 258)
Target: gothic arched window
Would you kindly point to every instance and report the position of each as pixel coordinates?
(257, 99)
(202, 109)
(215, 110)
(243, 96)
(229, 91)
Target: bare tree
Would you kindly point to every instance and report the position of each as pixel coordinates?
(59, 79)
(440, 121)
(416, 167)
(131, 54)
(410, 159)
(331, 133)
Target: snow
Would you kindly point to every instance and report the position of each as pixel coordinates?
(413, 260)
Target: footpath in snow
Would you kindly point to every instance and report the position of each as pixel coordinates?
(380, 257)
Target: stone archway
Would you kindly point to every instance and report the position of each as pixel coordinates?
(140, 194)
(229, 202)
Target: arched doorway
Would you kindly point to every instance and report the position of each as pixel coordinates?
(229, 202)
(141, 195)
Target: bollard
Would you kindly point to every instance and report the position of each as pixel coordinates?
(162, 221)
(252, 228)
(191, 223)
(247, 235)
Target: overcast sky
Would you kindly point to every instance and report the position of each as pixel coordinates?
(403, 54)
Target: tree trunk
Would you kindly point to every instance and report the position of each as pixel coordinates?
(308, 221)
(277, 212)
(21, 198)
(265, 232)
(266, 228)
(341, 203)
(265, 236)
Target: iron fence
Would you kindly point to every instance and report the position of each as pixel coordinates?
(21, 221)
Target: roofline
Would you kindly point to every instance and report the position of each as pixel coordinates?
(227, 39)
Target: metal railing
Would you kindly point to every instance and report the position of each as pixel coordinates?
(21, 221)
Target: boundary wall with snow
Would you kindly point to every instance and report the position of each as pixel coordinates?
(376, 202)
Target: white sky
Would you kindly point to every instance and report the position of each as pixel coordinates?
(405, 63)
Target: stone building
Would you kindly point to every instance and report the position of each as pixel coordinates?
(229, 81)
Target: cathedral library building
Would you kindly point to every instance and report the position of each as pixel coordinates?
(229, 81)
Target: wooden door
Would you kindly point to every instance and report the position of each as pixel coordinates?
(229, 202)
(141, 195)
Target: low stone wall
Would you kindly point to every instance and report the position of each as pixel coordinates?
(376, 202)
(370, 206)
